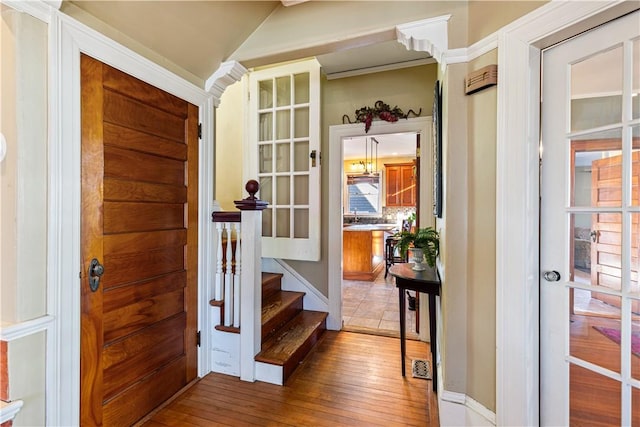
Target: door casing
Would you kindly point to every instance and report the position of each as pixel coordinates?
(67, 39)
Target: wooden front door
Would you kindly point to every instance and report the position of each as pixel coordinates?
(606, 247)
(139, 220)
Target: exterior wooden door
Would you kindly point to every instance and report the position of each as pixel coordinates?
(139, 220)
(606, 247)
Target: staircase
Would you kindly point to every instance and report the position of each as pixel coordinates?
(288, 331)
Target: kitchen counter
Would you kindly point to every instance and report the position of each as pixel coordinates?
(363, 250)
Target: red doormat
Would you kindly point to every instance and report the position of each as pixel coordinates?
(614, 335)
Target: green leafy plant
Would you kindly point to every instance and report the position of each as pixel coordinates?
(426, 239)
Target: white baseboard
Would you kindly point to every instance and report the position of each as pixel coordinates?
(458, 409)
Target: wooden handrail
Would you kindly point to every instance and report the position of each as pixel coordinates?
(226, 216)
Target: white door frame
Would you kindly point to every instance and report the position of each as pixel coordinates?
(67, 39)
(337, 133)
(517, 194)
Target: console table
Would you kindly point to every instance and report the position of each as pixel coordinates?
(427, 282)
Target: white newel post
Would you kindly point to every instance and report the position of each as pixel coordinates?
(251, 288)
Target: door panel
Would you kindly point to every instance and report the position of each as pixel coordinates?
(139, 218)
(589, 228)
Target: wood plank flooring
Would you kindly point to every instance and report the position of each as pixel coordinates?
(349, 379)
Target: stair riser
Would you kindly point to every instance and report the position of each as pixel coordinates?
(271, 285)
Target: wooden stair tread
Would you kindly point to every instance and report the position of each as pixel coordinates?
(281, 347)
(273, 304)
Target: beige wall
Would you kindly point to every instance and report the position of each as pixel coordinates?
(228, 152)
(481, 263)
(486, 17)
(409, 88)
(23, 204)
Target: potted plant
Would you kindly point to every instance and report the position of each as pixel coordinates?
(425, 239)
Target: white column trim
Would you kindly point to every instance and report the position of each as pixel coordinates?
(40, 9)
(517, 216)
(228, 73)
(427, 35)
(67, 39)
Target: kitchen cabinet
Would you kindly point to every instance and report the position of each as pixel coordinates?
(363, 250)
(400, 184)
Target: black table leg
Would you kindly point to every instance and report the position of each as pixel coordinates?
(432, 339)
(403, 349)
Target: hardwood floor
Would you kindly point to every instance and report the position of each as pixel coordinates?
(349, 379)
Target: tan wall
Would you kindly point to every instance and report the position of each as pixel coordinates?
(481, 289)
(486, 17)
(409, 88)
(23, 201)
(453, 231)
(228, 151)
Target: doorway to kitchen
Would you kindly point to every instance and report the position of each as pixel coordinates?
(381, 188)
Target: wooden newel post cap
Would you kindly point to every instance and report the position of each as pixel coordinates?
(252, 188)
(251, 203)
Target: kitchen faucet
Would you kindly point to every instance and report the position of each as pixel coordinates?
(355, 215)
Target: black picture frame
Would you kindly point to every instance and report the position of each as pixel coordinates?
(437, 150)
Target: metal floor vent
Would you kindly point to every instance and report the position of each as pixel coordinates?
(420, 368)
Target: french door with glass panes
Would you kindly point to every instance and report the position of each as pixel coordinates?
(590, 228)
(285, 156)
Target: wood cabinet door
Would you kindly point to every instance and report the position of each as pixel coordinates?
(139, 219)
(408, 185)
(393, 181)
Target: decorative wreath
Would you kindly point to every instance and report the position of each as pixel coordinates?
(380, 111)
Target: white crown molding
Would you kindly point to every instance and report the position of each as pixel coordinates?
(9, 410)
(228, 73)
(380, 68)
(40, 9)
(23, 329)
(427, 35)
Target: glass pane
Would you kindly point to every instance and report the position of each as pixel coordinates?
(591, 330)
(606, 251)
(597, 170)
(266, 222)
(301, 88)
(635, 339)
(301, 223)
(364, 194)
(635, 167)
(266, 94)
(283, 124)
(283, 159)
(283, 85)
(266, 127)
(266, 191)
(301, 189)
(282, 222)
(635, 259)
(301, 156)
(635, 403)
(589, 393)
(581, 238)
(595, 75)
(265, 158)
(282, 190)
(635, 90)
(301, 128)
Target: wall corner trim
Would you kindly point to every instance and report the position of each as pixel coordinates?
(427, 35)
(228, 73)
(8, 410)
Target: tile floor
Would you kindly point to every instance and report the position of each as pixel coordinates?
(373, 308)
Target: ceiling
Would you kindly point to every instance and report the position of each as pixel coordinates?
(198, 36)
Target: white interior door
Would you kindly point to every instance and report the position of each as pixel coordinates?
(590, 212)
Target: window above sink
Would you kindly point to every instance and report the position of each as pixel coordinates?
(363, 196)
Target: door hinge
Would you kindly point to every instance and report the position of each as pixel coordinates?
(198, 338)
(199, 130)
